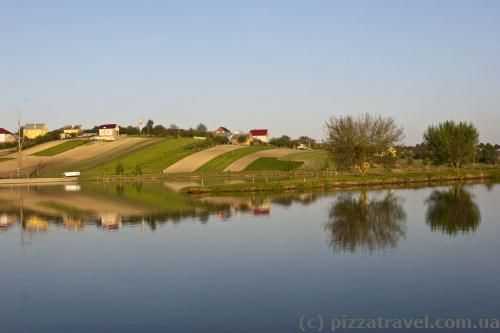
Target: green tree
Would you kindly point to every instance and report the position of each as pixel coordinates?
(283, 141)
(241, 138)
(451, 143)
(201, 128)
(119, 168)
(357, 142)
(488, 154)
(138, 169)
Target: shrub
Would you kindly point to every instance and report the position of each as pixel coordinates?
(119, 168)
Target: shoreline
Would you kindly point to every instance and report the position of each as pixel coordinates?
(37, 181)
(342, 182)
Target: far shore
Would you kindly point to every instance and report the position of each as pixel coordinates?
(37, 181)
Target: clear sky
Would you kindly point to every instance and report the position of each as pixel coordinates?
(283, 65)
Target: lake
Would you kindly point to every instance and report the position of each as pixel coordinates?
(137, 257)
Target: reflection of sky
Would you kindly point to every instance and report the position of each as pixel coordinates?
(191, 276)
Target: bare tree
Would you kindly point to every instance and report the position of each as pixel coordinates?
(20, 142)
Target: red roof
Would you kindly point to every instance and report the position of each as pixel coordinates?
(107, 126)
(258, 132)
(4, 131)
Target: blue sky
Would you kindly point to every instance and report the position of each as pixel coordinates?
(283, 65)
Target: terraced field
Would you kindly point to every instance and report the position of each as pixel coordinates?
(152, 157)
(243, 163)
(195, 161)
(55, 165)
(221, 162)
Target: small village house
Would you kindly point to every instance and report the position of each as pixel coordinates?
(70, 131)
(222, 131)
(6, 136)
(109, 130)
(32, 131)
(260, 134)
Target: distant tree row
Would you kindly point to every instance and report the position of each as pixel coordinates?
(287, 142)
(369, 140)
(161, 131)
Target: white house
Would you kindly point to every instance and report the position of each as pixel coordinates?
(260, 134)
(108, 130)
(6, 136)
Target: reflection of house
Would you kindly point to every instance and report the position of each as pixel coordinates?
(73, 223)
(260, 134)
(109, 130)
(222, 131)
(6, 136)
(111, 221)
(32, 131)
(71, 131)
(6, 221)
(263, 209)
(36, 223)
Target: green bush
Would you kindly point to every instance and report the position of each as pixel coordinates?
(138, 169)
(200, 145)
(119, 168)
(220, 140)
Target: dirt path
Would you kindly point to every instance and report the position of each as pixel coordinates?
(245, 161)
(35, 149)
(196, 160)
(80, 153)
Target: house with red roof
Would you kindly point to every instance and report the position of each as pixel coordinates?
(109, 130)
(260, 134)
(6, 136)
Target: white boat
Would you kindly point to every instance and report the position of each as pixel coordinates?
(72, 174)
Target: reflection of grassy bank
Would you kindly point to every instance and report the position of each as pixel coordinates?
(347, 181)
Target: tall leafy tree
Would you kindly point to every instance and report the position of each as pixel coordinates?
(451, 143)
(358, 142)
(487, 153)
(201, 127)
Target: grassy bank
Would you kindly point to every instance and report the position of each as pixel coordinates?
(347, 181)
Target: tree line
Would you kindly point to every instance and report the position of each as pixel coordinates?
(369, 140)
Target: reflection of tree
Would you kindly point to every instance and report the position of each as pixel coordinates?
(364, 223)
(452, 211)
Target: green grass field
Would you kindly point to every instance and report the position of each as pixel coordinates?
(61, 148)
(223, 161)
(314, 159)
(153, 158)
(271, 163)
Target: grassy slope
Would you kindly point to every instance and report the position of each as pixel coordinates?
(271, 163)
(314, 159)
(153, 158)
(223, 161)
(61, 148)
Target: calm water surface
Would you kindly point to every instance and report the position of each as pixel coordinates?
(139, 258)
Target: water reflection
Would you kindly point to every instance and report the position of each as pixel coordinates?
(452, 211)
(113, 206)
(361, 222)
